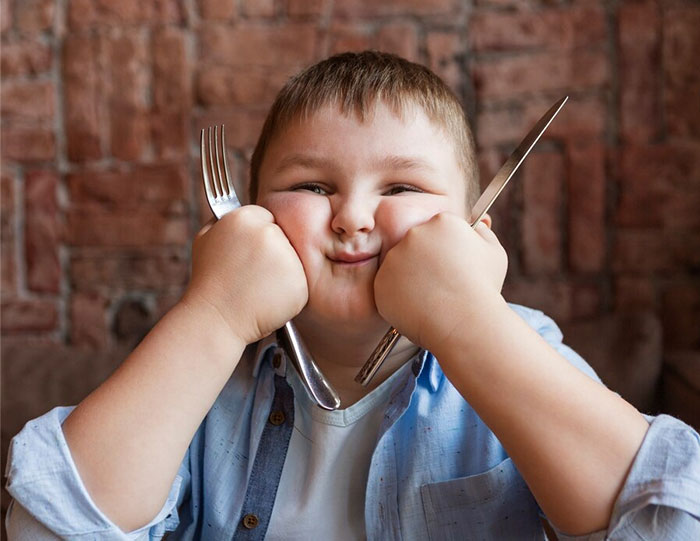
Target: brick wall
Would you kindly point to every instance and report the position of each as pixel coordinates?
(102, 103)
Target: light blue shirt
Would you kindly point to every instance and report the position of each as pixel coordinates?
(437, 471)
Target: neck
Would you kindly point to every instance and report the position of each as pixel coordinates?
(340, 351)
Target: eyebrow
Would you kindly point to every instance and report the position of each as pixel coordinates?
(391, 162)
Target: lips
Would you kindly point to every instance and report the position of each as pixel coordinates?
(356, 257)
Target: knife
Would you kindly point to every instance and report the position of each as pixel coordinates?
(490, 194)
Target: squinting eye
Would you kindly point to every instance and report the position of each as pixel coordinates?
(400, 188)
(311, 187)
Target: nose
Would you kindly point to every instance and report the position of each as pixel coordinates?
(352, 215)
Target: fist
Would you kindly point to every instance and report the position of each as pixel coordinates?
(244, 267)
(438, 278)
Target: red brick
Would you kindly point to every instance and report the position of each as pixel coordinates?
(684, 247)
(506, 77)
(307, 8)
(255, 45)
(24, 58)
(258, 8)
(34, 15)
(586, 301)
(349, 37)
(171, 73)
(42, 232)
(590, 24)
(242, 126)
(31, 100)
(371, 8)
(7, 205)
(641, 252)
(5, 16)
(444, 56)
(551, 296)
(586, 206)
(681, 315)
(217, 85)
(7, 235)
(36, 315)
(130, 133)
(639, 59)
(28, 144)
(580, 119)
(95, 13)
(112, 269)
(543, 184)
(137, 228)
(634, 293)
(129, 65)
(83, 111)
(500, 30)
(399, 38)
(217, 9)
(129, 126)
(88, 320)
(154, 188)
(169, 132)
(659, 185)
(681, 50)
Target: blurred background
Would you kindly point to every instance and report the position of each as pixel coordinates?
(102, 102)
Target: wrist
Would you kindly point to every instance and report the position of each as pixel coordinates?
(474, 331)
(209, 324)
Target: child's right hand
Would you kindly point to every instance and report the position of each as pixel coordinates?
(246, 270)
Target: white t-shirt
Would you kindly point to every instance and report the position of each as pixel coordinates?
(321, 494)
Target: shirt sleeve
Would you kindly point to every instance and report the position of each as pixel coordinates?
(50, 499)
(659, 499)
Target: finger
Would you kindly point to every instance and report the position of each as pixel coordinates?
(206, 227)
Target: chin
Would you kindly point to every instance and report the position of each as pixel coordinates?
(360, 315)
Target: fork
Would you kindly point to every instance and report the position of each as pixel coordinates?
(222, 199)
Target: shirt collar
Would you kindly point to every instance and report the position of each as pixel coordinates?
(266, 344)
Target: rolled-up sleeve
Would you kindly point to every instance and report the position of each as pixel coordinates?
(49, 495)
(661, 495)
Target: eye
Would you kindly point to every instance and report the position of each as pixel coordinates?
(401, 188)
(311, 187)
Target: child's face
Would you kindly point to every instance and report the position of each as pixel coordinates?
(345, 192)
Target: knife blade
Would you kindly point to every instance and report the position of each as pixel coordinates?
(481, 207)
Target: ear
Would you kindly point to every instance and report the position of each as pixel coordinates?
(487, 220)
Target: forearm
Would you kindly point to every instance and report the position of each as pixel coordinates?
(129, 436)
(571, 438)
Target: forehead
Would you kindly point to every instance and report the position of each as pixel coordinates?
(380, 133)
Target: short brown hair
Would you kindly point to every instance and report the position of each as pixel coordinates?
(354, 82)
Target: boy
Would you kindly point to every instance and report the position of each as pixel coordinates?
(362, 179)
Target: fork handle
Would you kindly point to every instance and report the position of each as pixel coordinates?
(317, 384)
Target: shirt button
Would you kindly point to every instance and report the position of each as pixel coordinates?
(250, 521)
(277, 418)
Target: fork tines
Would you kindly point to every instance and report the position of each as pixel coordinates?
(216, 187)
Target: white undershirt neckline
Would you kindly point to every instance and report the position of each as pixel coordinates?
(321, 493)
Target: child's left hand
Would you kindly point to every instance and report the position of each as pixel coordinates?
(441, 275)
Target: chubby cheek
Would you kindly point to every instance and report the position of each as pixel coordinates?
(396, 219)
(302, 222)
